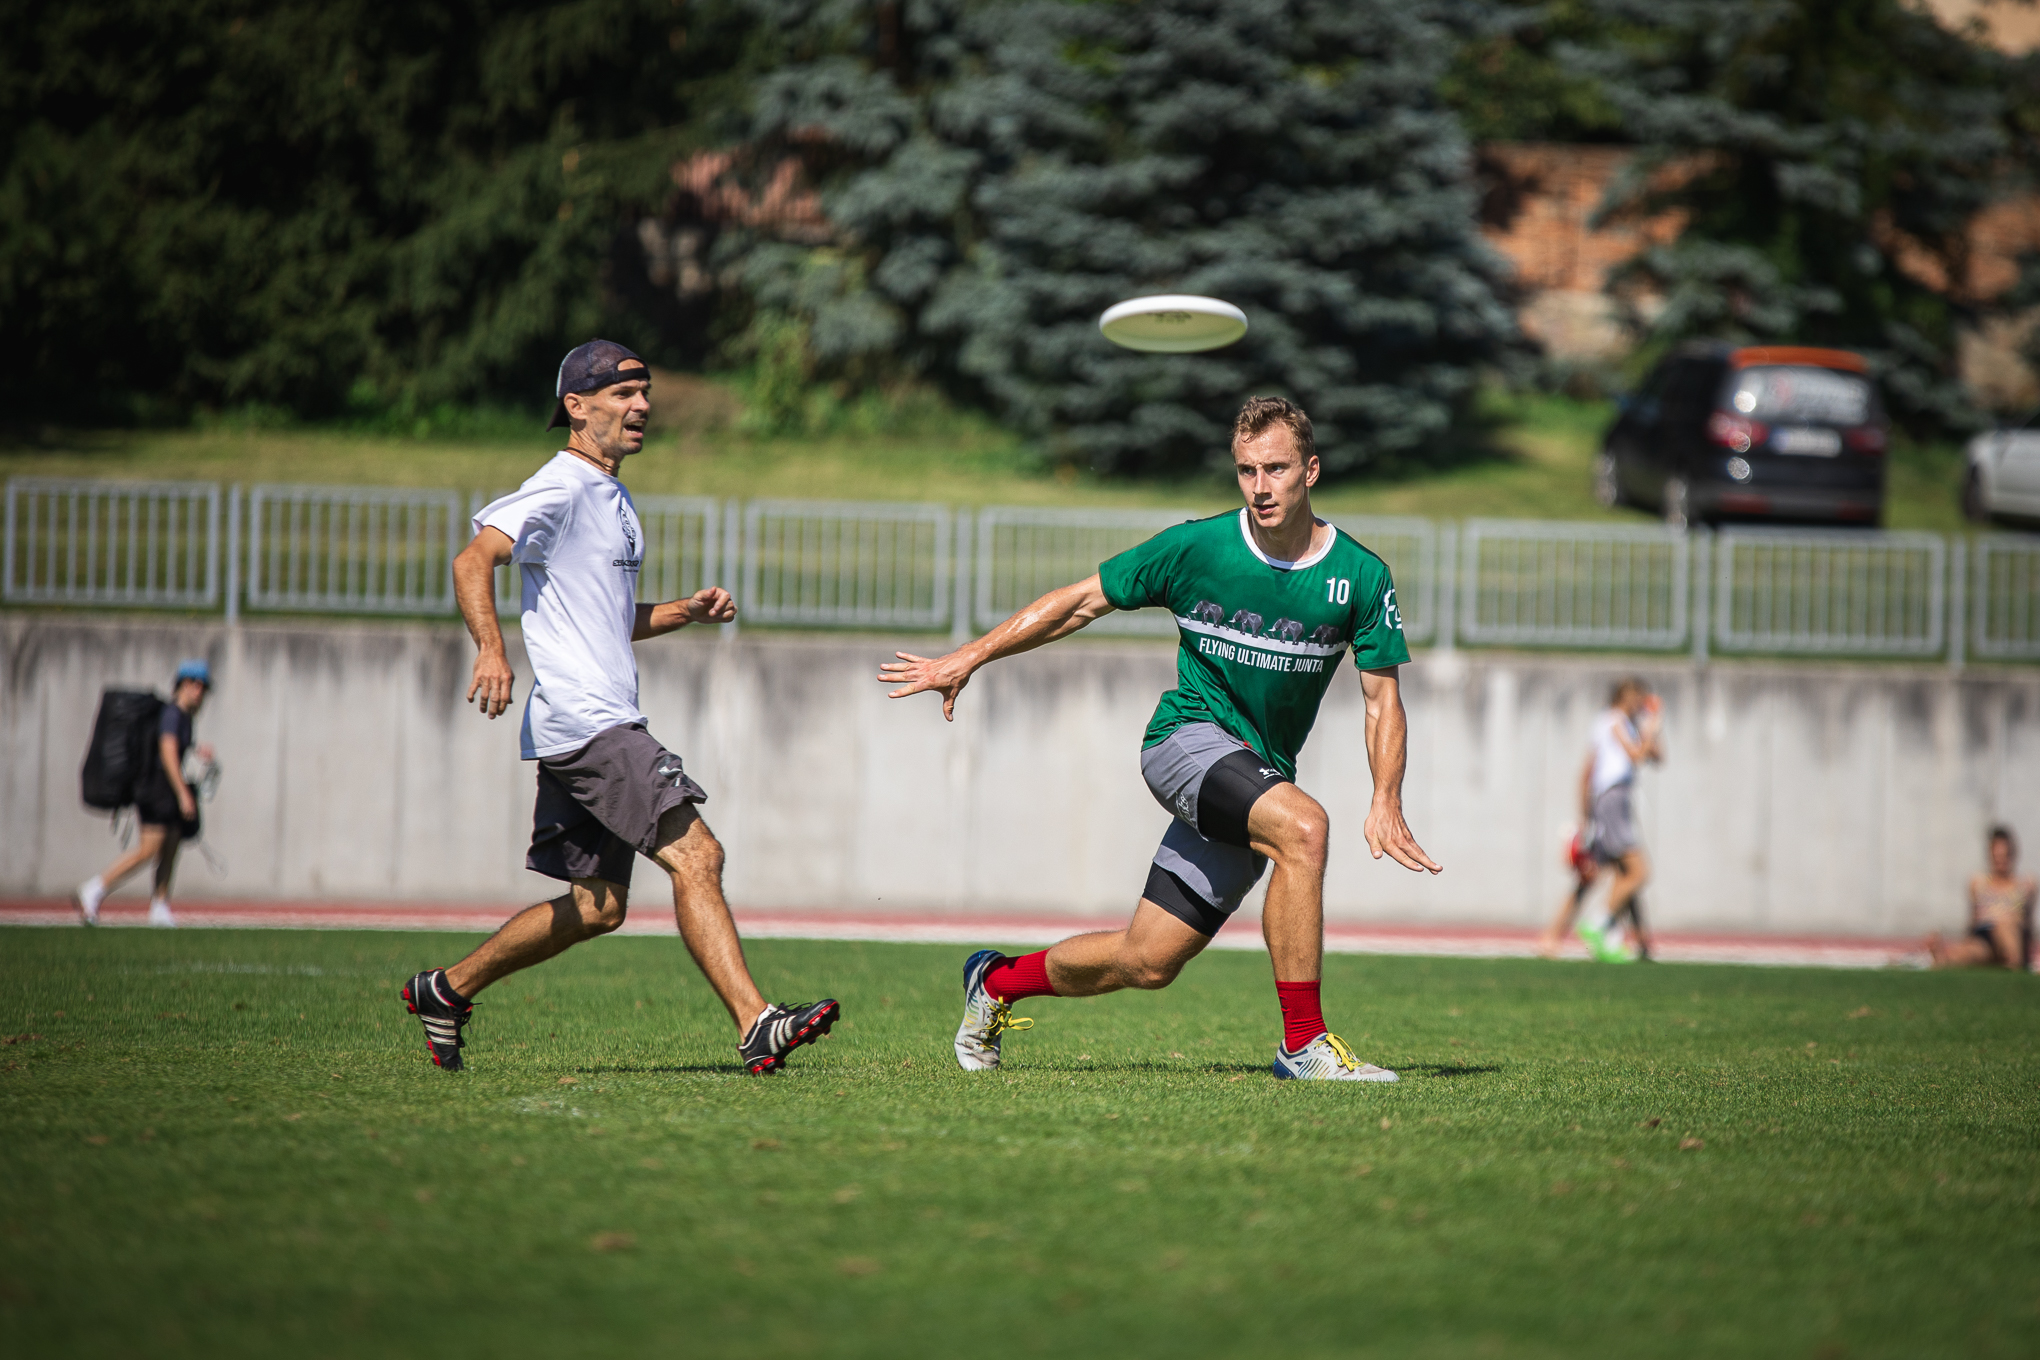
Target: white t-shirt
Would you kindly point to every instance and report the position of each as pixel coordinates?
(576, 536)
(1612, 764)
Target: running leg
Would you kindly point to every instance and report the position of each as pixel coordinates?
(1291, 829)
(689, 852)
(145, 849)
(593, 906)
(1632, 873)
(166, 871)
(1562, 924)
(1147, 955)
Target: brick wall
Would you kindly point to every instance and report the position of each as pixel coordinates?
(1538, 208)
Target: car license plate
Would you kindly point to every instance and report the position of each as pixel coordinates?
(1806, 440)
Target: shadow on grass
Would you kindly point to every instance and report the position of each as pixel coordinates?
(1448, 1069)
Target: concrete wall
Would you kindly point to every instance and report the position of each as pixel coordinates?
(1816, 798)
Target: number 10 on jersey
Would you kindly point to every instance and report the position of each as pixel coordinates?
(1337, 591)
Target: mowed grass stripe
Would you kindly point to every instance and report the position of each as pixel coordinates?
(232, 1142)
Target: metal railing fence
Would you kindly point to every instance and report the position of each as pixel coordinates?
(1409, 546)
(326, 549)
(1024, 552)
(111, 543)
(683, 549)
(847, 564)
(1830, 591)
(350, 549)
(1550, 584)
(2007, 596)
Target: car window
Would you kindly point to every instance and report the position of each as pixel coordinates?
(1689, 389)
(1791, 393)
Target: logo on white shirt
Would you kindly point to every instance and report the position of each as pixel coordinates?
(632, 559)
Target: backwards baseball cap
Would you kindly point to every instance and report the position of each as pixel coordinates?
(590, 368)
(194, 670)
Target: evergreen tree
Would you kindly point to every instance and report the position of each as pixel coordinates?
(1826, 157)
(212, 202)
(1004, 172)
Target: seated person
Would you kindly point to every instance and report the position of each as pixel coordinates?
(2000, 915)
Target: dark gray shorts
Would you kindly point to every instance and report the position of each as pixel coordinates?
(1614, 824)
(1207, 779)
(599, 807)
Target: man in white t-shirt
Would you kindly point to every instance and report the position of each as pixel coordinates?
(607, 790)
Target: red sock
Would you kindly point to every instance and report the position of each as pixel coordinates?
(1018, 978)
(1302, 1017)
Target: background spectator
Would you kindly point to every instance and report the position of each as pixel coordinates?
(2000, 914)
(165, 804)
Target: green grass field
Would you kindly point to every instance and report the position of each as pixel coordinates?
(231, 1143)
(1532, 456)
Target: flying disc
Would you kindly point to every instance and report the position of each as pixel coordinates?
(1172, 323)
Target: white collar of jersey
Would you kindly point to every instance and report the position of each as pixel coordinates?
(1247, 533)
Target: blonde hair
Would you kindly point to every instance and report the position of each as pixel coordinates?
(1259, 414)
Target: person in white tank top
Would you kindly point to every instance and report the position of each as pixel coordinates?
(1624, 736)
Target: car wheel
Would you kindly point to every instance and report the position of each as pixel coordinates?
(1674, 502)
(1607, 487)
(1974, 508)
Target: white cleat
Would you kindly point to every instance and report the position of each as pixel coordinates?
(1326, 1058)
(159, 915)
(985, 1017)
(87, 899)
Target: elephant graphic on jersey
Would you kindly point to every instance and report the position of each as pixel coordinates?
(1326, 635)
(1209, 611)
(1246, 621)
(1285, 630)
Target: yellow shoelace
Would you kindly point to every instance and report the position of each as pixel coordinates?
(1345, 1054)
(1002, 1020)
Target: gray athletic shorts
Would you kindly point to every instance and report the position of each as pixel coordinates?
(1208, 780)
(599, 807)
(1614, 826)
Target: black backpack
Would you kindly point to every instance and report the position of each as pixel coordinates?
(123, 739)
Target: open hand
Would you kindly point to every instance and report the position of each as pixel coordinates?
(494, 681)
(1388, 834)
(944, 674)
(711, 604)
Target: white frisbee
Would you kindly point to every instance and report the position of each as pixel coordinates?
(1172, 323)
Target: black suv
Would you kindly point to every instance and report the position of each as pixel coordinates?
(1761, 432)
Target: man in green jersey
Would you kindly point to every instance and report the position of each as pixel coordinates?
(1266, 600)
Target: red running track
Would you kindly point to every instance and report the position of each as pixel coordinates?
(1485, 942)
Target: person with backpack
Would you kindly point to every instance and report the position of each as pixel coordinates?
(165, 805)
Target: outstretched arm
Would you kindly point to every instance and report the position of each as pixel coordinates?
(710, 604)
(1646, 747)
(1387, 754)
(1055, 615)
(474, 588)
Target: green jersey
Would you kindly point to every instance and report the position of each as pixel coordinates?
(1260, 638)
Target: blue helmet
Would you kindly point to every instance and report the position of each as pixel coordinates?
(194, 669)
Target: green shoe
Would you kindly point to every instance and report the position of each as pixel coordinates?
(1597, 944)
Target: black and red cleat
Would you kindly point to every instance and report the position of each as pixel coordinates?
(432, 999)
(782, 1029)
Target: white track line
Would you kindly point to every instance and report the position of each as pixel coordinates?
(1431, 942)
